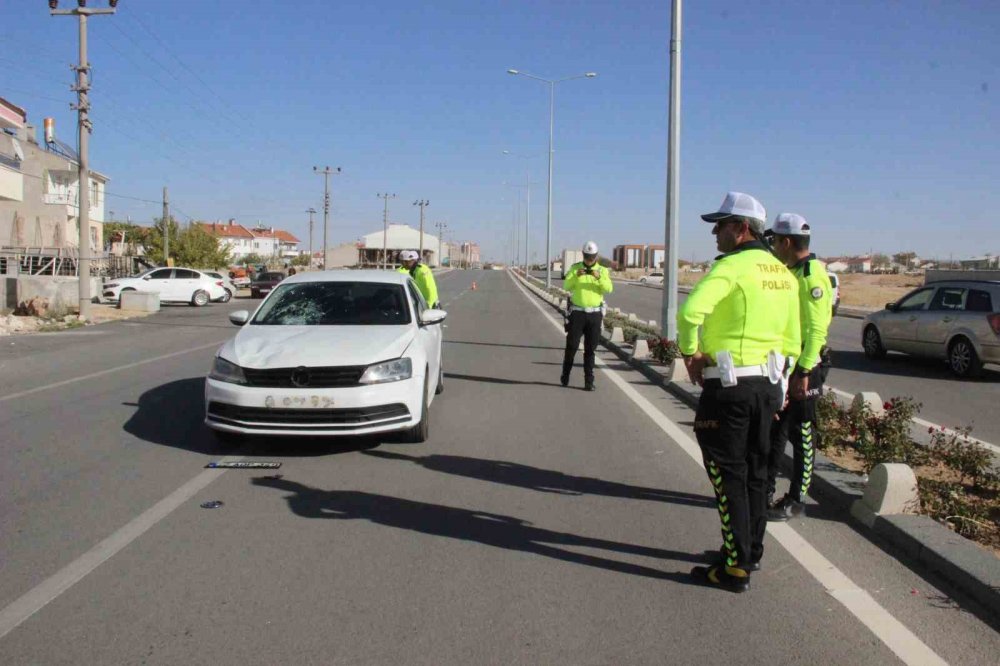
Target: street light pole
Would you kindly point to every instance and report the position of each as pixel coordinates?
(669, 305)
(326, 205)
(385, 228)
(441, 226)
(423, 203)
(311, 211)
(552, 115)
(84, 127)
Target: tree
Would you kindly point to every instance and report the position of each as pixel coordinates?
(904, 258)
(199, 249)
(301, 260)
(879, 260)
(154, 239)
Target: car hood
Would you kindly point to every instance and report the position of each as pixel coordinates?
(316, 346)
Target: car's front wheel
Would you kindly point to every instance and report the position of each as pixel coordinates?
(872, 342)
(419, 433)
(200, 298)
(642, 280)
(228, 296)
(963, 359)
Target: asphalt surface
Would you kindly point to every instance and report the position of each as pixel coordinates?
(538, 525)
(946, 400)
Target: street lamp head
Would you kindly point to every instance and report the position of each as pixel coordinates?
(82, 3)
(590, 75)
(53, 4)
(113, 3)
(513, 71)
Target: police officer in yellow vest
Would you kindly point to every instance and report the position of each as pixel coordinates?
(790, 237)
(421, 274)
(588, 282)
(747, 309)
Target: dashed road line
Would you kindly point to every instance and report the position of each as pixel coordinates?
(903, 642)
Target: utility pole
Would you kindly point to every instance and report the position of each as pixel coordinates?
(326, 205)
(311, 211)
(385, 228)
(668, 313)
(527, 224)
(166, 228)
(441, 226)
(423, 204)
(84, 127)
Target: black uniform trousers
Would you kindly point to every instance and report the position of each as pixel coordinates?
(586, 325)
(732, 425)
(797, 423)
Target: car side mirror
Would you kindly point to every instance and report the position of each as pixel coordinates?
(429, 317)
(891, 307)
(240, 317)
(145, 277)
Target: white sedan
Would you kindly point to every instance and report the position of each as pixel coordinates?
(179, 285)
(652, 278)
(330, 353)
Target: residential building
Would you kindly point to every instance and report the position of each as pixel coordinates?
(859, 265)
(39, 190)
(395, 238)
(265, 242)
(837, 265)
(646, 257)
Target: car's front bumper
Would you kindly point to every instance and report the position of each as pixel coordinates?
(355, 410)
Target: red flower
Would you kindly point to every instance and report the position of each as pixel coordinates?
(887, 405)
(930, 430)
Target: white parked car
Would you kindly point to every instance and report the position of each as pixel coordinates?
(227, 284)
(330, 353)
(179, 285)
(652, 278)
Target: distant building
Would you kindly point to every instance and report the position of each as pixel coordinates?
(987, 262)
(859, 265)
(645, 257)
(260, 240)
(837, 265)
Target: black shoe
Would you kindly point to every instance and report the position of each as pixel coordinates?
(721, 561)
(589, 386)
(564, 380)
(785, 509)
(733, 579)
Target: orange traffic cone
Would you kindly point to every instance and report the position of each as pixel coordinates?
(474, 287)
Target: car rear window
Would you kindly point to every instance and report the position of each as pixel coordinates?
(270, 277)
(978, 301)
(335, 303)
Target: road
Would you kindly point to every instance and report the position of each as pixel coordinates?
(946, 400)
(538, 525)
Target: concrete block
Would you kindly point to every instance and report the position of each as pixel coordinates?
(678, 373)
(871, 399)
(62, 293)
(653, 323)
(617, 335)
(633, 317)
(616, 310)
(891, 490)
(640, 350)
(141, 301)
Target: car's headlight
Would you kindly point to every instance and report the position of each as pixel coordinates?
(224, 371)
(389, 371)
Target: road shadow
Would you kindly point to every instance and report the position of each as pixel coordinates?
(495, 380)
(173, 415)
(542, 480)
(489, 529)
(497, 344)
(903, 365)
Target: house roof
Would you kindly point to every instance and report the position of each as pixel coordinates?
(279, 234)
(226, 230)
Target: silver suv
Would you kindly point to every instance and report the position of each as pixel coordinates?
(954, 320)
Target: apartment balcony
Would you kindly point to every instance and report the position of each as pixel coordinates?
(11, 179)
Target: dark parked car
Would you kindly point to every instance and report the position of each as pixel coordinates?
(263, 283)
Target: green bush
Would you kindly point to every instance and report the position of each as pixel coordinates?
(885, 438)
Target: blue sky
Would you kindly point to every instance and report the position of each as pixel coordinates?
(878, 121)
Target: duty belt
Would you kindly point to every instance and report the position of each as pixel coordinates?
(743, 371)
(577, 308)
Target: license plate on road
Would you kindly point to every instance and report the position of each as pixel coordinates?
(298, 401)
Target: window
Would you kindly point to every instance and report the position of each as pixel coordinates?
(184, 274)
(162, 274)
(419, 304)
(978, 301)
(915, 301)
(948, 298)
(335, 303)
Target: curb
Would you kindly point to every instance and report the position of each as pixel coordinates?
(961, 562)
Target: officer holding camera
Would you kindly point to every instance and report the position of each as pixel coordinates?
(588, 282)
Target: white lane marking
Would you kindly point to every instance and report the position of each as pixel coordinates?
(927, 424)
(46, 591)
(101, 373)
(889, 630)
